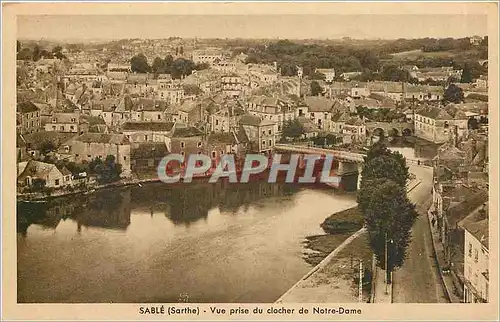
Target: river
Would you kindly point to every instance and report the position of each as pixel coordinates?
(160, 243)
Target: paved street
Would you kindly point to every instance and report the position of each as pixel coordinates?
(418, 280)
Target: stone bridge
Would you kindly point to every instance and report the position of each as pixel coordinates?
(389, 129)
(348, 162)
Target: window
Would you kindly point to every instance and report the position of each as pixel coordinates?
(182, 145)
(182, 153)
(62, 128)
(159, 116)
(89, 156)
(216, 122)
(214, 154)
(476, 256)
(199, 144)
(72, 127)
(263, 132)
(312, 114)
(53, 127)
(145, 137)
(263, 143)
(57, 182)
(470, 249)
(270, 142)
(124, 158)
(270, 132)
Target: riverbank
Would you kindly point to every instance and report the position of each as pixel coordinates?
(34, 197)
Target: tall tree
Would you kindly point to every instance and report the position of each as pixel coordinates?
(139, 64)
(158, 66)
(293, 129)
(389, 217)
(388, 214)
(467, 74)
(37, 54)
(453, 94)
(316, 88)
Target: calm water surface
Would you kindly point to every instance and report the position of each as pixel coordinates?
(215, 243)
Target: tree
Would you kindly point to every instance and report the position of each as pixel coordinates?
(467, 74)
(293, 129)
(37, 53)
(387, 212)
(181, 51)
(107, 171)
(472, 124)
(389, 217)
(453, 94)
(316, 88)
(158, 66)
(139, 64)
(38, 184)
(47, 146)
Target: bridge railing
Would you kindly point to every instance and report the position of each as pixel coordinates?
(344, 155)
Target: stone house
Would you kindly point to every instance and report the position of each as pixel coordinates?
(30, 171)
(259, 132)
(89, 146)
(28, 117)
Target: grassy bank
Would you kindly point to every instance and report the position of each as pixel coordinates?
(338, 227)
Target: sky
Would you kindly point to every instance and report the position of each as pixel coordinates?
(86, 27)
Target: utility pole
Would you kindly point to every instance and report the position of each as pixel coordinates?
(360, 281)
(386, 266)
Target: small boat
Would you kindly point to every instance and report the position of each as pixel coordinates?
(140, 185)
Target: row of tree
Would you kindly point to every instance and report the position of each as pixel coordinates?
(36, 53)
(388, 213)
(177, 68)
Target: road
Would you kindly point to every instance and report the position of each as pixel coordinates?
(418, 281)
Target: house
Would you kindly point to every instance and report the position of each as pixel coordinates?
(320, 110)
(186, 140)
(261, 133)
(354, 130)
(328, 73)
(207, 56)
(232, 85)
(392, 90)
(475, 40)
(476, 261)
(147, 110)
(438, 125)
(481, 82)
(146, 156)
(219, 144)
(359, 90)
(423, 93)
(271, 108)
(66, 122)
(190, 112)
(89, 146)
(350, 75)
(142, 132)
(225, 119)
(52, 177)
(28, 117)
(311, 130)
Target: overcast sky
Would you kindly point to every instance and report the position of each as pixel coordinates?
(251, 26)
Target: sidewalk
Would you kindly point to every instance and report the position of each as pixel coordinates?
(447, 279)
(379, 294)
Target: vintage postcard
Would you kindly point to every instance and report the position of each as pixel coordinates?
(250, 161)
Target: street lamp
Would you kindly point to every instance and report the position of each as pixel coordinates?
(387, 264)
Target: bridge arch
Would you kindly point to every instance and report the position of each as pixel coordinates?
(407, 132)
(378, 132)
(394, 132)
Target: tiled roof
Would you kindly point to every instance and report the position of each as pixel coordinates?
(148, 126)
(480, 230)
(149, 150)
(185, 131)
(319, 104)
(224, 137)
(250, 120)
(118, 139)
(435, 113)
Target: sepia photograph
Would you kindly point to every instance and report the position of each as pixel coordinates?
(167, 160)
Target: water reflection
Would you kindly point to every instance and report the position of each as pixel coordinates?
(182, 204)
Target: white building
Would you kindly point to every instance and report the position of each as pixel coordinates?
(476, 262)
